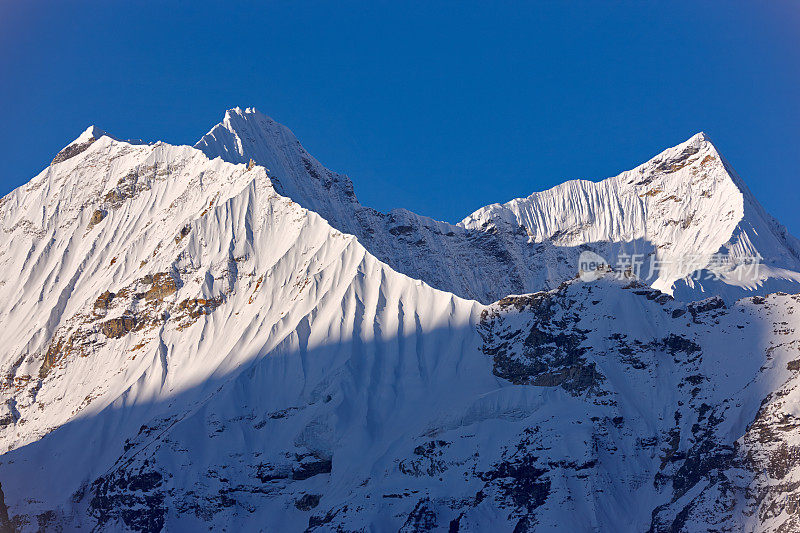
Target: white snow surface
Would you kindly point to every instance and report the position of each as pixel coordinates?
(193, 340)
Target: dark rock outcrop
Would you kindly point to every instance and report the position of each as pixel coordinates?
(72, 150)
(118, 327)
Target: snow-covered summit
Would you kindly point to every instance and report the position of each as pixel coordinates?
(81, 143)
(247, 134)
(92, 132)
(686, 206)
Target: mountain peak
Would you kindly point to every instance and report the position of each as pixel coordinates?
(92, 132)
(243, 112)
(236, 117)
(80, 144)
(247, 134)
(244, 134)
(701, 140)
(687, 201)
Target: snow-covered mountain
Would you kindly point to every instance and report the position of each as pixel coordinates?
(687, 202)
(222, 337)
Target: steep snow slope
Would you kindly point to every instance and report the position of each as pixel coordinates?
(687, 204)
(138, 280)
(124, 241)
(684, 212)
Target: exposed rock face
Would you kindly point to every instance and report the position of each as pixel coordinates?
(547, 352)
(708, 477)
(307, 502)
(5, 523)
(123, 490)
(183, 233)
(96, 218)
(117, 327)
(72, 150)
(310, 467)
(68, 343)
(188, 311)
(161, 286)
(130, 186)
(102, 303)
(8, 413)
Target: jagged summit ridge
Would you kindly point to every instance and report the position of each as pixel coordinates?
(92, 132)
(686, 202)
(678, 205)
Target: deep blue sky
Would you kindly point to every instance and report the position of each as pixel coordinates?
(440, 108)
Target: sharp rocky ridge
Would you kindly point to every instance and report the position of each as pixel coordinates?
(222, 336)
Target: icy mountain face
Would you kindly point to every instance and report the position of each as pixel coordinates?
(685, 205)
(186, 347)
(119, 249)
(684, 215)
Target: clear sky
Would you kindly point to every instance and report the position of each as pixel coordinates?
(436, 107)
